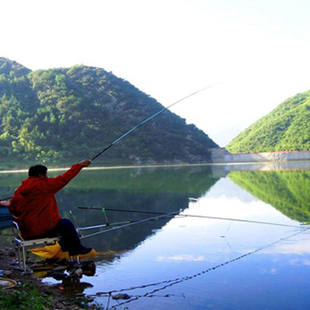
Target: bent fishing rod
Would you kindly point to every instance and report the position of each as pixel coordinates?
(142, 123)
(148, 119)
(192, 215)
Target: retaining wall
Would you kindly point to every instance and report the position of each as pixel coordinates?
(221, 155)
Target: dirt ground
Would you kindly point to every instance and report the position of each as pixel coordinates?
(64, 295)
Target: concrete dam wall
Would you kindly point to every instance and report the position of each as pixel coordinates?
(221, 155)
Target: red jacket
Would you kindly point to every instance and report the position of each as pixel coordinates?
(35, 205)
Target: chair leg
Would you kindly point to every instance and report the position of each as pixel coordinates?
(74, 259)
(24, 259)
(21, 247)
(18, 254)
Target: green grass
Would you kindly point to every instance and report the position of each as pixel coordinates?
(23, 298)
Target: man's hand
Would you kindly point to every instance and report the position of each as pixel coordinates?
(4, 203)
(85, 163)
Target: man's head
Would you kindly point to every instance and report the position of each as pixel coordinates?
(37, 170)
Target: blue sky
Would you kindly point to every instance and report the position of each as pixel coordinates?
(257, 49)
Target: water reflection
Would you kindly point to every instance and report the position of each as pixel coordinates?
(160, 190)
(215, 264)
(287, 191)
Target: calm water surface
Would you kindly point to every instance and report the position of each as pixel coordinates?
(213, 261)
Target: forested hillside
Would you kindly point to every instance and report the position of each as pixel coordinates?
(286, 128)
(59, 116)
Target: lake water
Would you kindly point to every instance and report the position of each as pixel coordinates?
(235, 238)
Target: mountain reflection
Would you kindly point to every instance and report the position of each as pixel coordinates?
(287, 191)
(162, 190)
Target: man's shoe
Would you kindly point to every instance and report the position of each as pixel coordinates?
(83, 250)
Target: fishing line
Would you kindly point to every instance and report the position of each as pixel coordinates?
(195, 216)
(224, 236)
(227, 230)
(169, 283)
(148, 119)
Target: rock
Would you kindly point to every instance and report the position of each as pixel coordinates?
(11, 253)
(7, 273)
(79, 272)
(89, 268)
(120, 296)
(58, 275)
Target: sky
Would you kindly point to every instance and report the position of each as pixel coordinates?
(254, 52)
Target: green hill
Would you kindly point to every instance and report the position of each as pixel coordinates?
(286, 128)
(62, 115)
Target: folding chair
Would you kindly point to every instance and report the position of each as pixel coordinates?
(22, 246)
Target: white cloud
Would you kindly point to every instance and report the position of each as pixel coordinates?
(183, 257)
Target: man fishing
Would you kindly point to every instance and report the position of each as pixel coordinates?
(35, 207)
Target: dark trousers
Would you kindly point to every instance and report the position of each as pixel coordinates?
(70, 240)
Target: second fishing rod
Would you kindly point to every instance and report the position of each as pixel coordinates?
(177, 214)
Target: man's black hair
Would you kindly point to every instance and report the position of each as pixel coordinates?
(37, 170)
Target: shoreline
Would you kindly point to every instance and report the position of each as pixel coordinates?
(51, 293)
(215, 164)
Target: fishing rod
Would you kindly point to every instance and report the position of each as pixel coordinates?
(103, 225)
(148, 119)
(192, 215)
(117, 223)
(6, 198)
(129, 223)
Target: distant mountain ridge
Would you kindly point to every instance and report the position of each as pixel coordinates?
(286, 128)
(67, 114)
